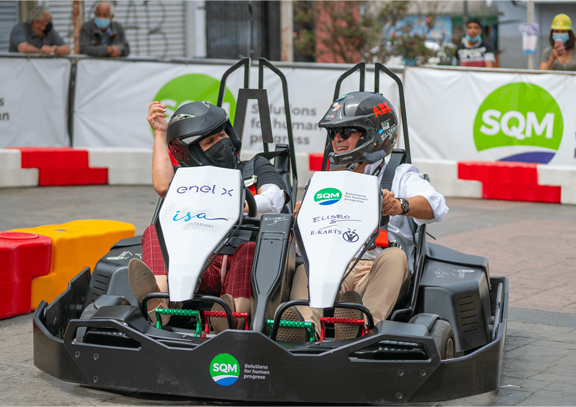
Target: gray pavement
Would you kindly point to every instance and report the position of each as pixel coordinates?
(531, 244)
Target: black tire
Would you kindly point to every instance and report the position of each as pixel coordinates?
(443, 336)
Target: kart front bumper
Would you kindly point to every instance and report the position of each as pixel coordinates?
(265, 371)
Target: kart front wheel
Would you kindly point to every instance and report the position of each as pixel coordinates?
(443, 336)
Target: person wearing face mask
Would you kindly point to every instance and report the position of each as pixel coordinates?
(102, 37)
(560, 56)
(199, 134)
(473, 51)
(36, 35)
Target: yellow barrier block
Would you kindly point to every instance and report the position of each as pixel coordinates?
(75, 246)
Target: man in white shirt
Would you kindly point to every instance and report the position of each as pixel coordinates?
(363, 129)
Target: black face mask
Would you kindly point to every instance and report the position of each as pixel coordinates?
(223, 154)
(48, 28)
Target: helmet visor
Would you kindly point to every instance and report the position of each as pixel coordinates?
(345, 132)
(194, 138)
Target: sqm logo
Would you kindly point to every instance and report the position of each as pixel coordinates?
(514, 124)
(224, 369)
(519, 115)
(327, 196)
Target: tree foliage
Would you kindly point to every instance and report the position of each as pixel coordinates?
(352, 31)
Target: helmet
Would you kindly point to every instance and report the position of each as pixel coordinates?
(193, 122)
(561, 22)
(369, 112)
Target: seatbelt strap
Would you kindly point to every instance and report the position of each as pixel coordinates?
(396, 158)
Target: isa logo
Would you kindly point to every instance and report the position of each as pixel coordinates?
(224, 369)
(327, 196)
(523, 115)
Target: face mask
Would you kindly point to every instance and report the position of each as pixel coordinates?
(563, 36)
(48, 28)
(475, 39)
(102, 23)
(223, 154)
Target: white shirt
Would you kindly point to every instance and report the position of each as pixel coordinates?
(408, 182)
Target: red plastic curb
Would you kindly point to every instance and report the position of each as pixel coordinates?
(509, 181)
(55, 165)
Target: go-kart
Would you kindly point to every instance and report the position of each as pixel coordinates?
(444, 339)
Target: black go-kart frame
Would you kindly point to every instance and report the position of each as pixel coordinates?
(445, 339)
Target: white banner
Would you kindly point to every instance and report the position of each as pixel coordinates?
(33, 102)
(112, 100)
(491, 116)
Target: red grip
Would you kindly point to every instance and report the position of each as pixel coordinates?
(382, 239)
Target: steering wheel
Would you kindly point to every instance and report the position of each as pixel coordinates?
(252, 210)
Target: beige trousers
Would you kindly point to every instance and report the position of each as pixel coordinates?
(377, 281)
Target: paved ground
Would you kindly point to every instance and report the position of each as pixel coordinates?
(531, 244)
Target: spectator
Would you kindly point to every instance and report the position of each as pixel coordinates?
(473, 51)
(102, 37)
(36, 35)
(560, 56)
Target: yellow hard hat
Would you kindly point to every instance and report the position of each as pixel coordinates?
(562, 22)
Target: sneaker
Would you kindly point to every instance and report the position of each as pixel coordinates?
(344, 332)
(221, 323)
(291, 334)
(142, 282)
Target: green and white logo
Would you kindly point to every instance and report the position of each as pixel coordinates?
(519, 114)
(192, 88)
(224, 369)
(327, 196)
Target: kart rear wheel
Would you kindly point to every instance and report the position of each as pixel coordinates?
(443, 336)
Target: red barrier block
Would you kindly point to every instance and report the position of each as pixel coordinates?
(509, 181)
(59, 166)
(315, 161)
(23, 256)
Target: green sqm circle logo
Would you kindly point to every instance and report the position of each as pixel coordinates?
(192, 88)
(224, 369)
(327, 196)
(520, 114)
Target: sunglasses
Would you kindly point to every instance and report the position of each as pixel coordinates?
(345, 132)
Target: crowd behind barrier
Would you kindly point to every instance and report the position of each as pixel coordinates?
(454, 114)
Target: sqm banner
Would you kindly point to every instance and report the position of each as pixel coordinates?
(491, 116)
(112, 100)
(33, 101)
(112, 97)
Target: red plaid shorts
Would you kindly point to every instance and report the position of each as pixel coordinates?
(238, 268)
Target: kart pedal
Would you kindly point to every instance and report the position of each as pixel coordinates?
(179, 312)
(295, 327)
(342, 321)
(222, 314)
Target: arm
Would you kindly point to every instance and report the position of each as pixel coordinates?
(426, 204)
(123, 44)
(86, 46)
(162, 171)
(419, 206)
(548, 60)
(489, 64)
(63, 50)
(26, 48)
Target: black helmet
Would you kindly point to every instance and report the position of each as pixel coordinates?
(370, 113)
(193, 122)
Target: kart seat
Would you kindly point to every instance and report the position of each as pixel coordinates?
(403, 296)
(282, 165)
